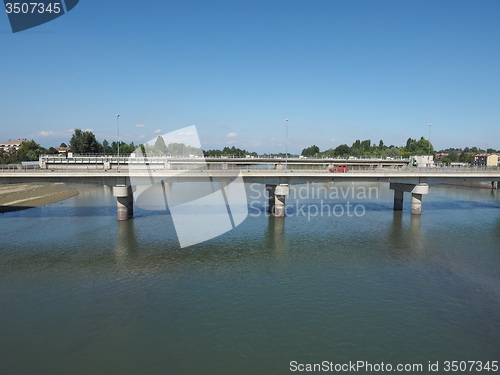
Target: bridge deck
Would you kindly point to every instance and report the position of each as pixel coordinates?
(112, 177)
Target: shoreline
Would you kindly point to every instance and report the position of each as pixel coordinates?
(472, 184)
(16, 197)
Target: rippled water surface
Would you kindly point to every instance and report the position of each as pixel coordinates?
(81, 293)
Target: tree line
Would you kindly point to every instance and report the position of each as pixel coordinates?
(463, 155)
(412, 147)
(172, 149)
(368, 149)
(230, 151)
(85, 142)
(28, 151)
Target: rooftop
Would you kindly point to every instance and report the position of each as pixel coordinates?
(13, 142)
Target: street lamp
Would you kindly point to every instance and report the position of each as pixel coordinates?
(429, 160)
(286, 146)
(118, 133)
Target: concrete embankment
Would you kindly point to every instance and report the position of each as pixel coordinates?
(22, 196)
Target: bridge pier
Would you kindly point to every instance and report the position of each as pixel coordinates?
(124, 202)
(494, 185)
(277, 194)
(416, 204)
(416, 196)
(398, 200)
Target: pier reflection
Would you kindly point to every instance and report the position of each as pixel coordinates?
(415, 235)
(275, 236)
(405, 240)
(126, 249)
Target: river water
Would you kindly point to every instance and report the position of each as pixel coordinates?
(81, 293)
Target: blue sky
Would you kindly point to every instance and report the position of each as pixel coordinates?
(338, 70)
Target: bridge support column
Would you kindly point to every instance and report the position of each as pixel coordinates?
(416, 196)
(277, 194)
(416, 204)
(398, 200)
(124, 202)
(494, 185)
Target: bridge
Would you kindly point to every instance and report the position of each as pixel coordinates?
(277, 180)
(214, 163)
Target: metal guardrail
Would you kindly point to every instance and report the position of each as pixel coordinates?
(79, 167)
(18, 167)
(238, 157)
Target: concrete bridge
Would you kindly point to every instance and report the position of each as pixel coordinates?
(213, 163)
(401, 180)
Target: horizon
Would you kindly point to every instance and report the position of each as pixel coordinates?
(374, 143)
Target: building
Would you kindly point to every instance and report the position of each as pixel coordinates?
(63, 150)
(485, 160)
(422, 160)
(12, 145)
(441, 155)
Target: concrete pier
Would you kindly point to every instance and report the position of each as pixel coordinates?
(277, 194)
(416, 204)
(398, 200)
(124, 202)
(416, 195)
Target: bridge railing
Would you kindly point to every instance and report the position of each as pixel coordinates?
(17, 167)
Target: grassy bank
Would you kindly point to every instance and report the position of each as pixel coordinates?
(22, 196)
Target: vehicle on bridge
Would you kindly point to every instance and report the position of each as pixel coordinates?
(340, 168)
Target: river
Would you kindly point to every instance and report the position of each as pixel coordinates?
(81, 293)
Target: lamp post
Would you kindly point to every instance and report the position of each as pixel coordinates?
(286, 146)
(429, 125)
(118, 133)
(429, 160)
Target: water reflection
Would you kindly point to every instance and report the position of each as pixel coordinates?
(415, 237)
(405, 240)
(126, 249)
(275, 236)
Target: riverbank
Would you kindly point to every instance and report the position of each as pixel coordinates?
(473, 184)
(16, 197)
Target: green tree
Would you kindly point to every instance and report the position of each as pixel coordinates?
(365, 145)
(310, 151)
(29, 151)
(342, 150)
(393, 152)
(127, 149)
(160, 148)
(330, 153)
(177, 149)
(452, 155)
(84, 143)
(106, 148)
(420, 147)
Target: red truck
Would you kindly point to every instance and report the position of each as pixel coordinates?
(340, 168)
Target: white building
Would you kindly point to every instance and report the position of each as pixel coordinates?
(422, 161)
(12, 144)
